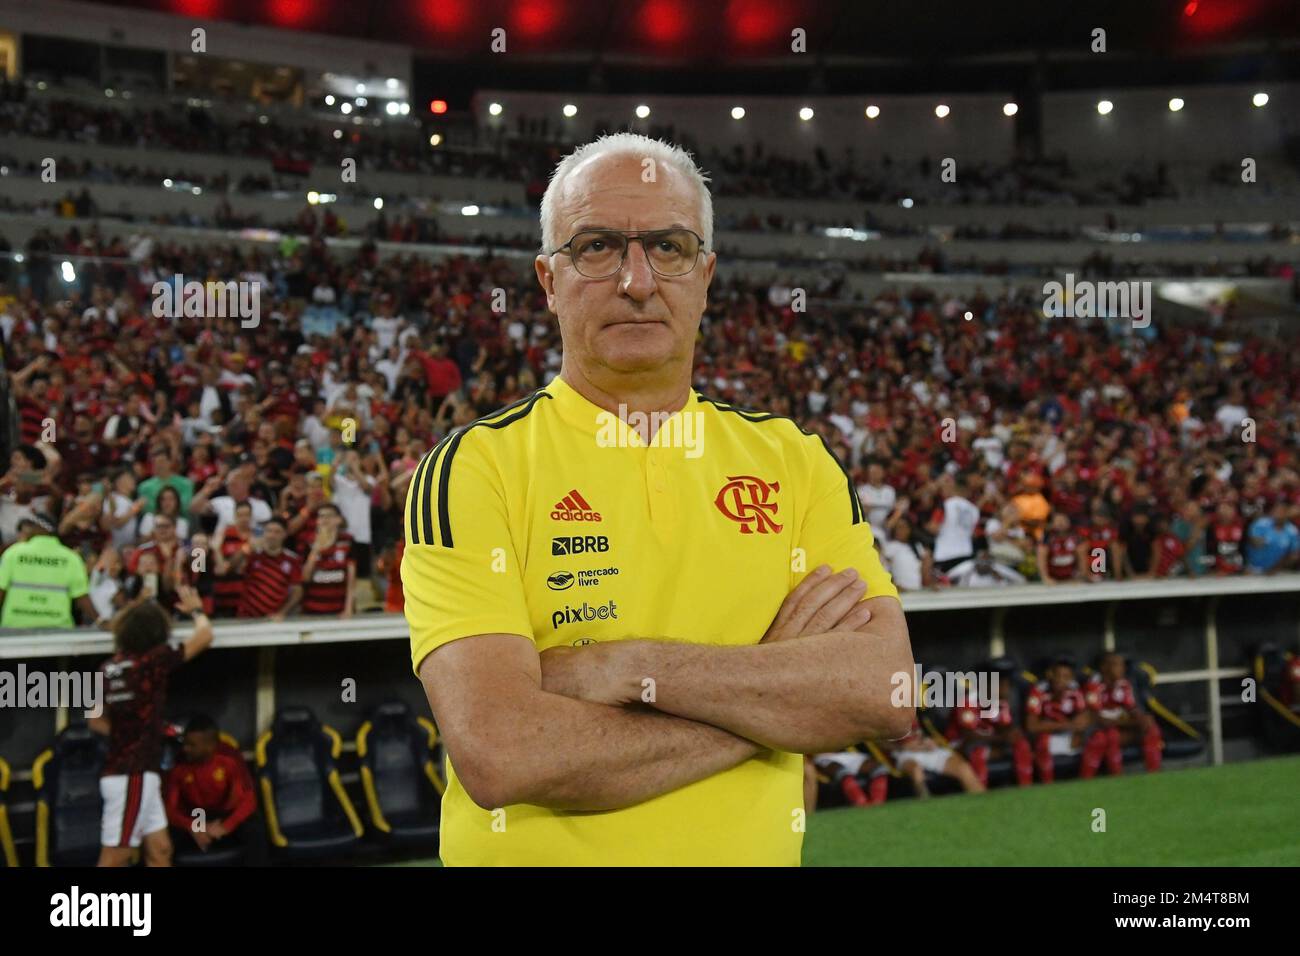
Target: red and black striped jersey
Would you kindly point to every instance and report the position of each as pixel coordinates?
(267, 581)
(326, 591)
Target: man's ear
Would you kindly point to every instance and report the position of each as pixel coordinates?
(546, 279)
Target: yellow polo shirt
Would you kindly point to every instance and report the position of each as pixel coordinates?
(553, 520)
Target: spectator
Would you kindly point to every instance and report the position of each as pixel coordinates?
(1136, 548)
(329, 572)
(122, 509)
(1061, 555)
(1273, 542)
(271, 576)
(1226, 533)
(41, 579)
(877, 499)
(238, 488)
(167, 503)
(954, 542)
(982, 571)
(165, 476)
(908, 562)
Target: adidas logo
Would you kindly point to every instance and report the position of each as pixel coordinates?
(573, 507)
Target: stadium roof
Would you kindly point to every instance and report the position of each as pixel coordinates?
(852, 45)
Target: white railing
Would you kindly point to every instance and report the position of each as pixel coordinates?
(388, 627)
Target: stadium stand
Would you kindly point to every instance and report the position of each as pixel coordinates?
(858, 293)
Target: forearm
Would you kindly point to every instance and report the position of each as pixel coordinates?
(815, 694)
(576, 755)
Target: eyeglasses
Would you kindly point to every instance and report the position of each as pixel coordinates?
(600, 253)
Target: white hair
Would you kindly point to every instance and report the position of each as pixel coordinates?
(627, 144)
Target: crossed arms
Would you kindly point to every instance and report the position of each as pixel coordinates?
(613, 724)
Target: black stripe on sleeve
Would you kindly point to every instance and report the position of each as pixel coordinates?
(452, 442)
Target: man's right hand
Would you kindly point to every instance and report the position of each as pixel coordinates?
(821, 602)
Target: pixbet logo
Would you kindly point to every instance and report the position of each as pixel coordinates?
(577, 615)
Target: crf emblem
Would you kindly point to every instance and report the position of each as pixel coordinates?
(749, 502)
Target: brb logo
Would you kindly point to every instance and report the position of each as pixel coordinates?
(748, 501)
(580, 544)
(575, 615)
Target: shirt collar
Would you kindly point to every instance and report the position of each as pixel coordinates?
(584, 414)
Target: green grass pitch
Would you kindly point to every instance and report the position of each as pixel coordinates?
(1244, 814)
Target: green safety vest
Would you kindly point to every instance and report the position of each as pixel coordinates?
(41, 577)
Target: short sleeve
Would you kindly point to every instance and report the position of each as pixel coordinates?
(835, 530)
(461, 574)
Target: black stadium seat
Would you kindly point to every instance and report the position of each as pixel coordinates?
(1181, 738)
(308, 813)
(1279, 725)
(399, 771)
(68, 804)
(8, 856)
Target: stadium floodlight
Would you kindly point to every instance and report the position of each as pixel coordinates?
(264, 119)
(346, 108)
(941, 110)
(906, 202)
(313, 198)
(405, 109)
(392, 82)
(737, 112)
(1259, 99)
(329, 99)
(570, 110)
(19, 257)
(361, 89)
(167, 184)
(1176, 104)
(470, 210)
(69, 273)
(338, 134)
(1104, 107)
(362, 101)
(379, 202)
(495, 109)
(435, 139)
(642, 111)
(1010, 109)
(392, 108)
(196, 190)
(806, 113)
(108, 91)
(872, 111)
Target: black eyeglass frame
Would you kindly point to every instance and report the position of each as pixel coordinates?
(630, 236)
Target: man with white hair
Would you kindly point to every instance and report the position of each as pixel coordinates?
(632, 607)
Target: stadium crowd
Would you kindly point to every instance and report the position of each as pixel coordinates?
(267, 466)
